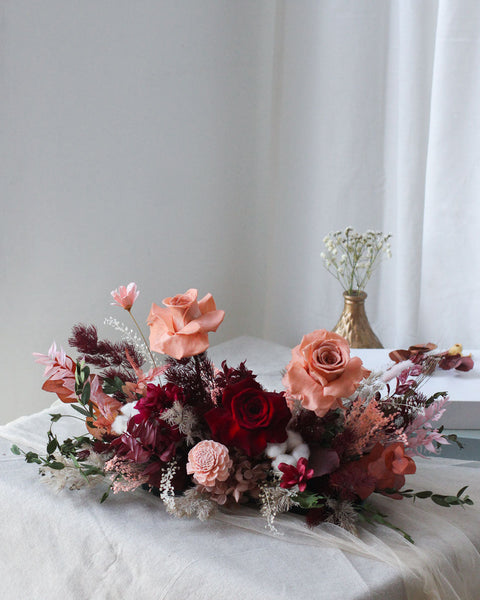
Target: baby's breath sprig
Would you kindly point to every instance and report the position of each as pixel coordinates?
(351, 256)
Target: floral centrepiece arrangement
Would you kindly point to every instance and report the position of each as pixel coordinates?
(202, 437)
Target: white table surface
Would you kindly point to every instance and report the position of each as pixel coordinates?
(69, 546)
(463, 411)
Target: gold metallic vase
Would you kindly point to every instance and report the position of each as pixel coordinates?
(353, 324)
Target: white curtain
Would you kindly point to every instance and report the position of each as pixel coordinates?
(377, 106)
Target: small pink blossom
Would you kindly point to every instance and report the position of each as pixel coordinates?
(125, 296)
(209, 462)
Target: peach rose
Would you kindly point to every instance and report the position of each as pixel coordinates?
(209, 462)
(181, 329)
(321, 372)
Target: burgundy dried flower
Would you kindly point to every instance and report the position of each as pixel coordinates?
(157, 399)
(455, 361)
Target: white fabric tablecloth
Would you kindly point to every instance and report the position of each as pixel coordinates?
(69, 546)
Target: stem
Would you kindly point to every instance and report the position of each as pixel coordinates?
(143, 337)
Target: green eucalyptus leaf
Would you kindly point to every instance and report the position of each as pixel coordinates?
(58, 466)
(15, 450)
(85, 394)
(52, 446)
(425, 494)
(452, 499)
(81, 410)
(440, 500)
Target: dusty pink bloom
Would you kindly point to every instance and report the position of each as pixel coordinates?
(321, 372)
(181, 328)
(125, 296)
(209, 462)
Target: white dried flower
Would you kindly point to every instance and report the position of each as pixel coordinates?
(70, 476)
(359, 254)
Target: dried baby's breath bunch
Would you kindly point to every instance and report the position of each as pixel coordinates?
(351, 256)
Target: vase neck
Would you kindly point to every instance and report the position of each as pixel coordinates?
(357, 297)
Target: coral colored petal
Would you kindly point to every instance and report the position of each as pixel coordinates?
(301, 385)
(211, 320)
(344, 386)
(179, 346)
(207, 303)
(160, 313)
(190, 328)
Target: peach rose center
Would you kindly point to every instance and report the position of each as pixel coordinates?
(180, 300)
(328, 361)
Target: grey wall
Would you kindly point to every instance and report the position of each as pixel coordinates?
(134, 146)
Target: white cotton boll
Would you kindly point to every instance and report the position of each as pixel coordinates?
(119, 426)
(284, 458)
(301, 451)
(273, 450)
(294, 440)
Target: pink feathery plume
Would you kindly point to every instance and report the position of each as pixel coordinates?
(421, 433)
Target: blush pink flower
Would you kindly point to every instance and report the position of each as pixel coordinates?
(181, 329)
(125, 296)
(321, 372)
(209, 462)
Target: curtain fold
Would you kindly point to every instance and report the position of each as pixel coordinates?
(377, 127)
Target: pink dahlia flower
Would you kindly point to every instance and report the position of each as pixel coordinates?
(125, 296)
(209, 462)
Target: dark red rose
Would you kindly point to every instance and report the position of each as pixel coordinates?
(249, 417)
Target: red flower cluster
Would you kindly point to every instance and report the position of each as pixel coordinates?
(158, 399)
(148, 438)
(249, 417)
